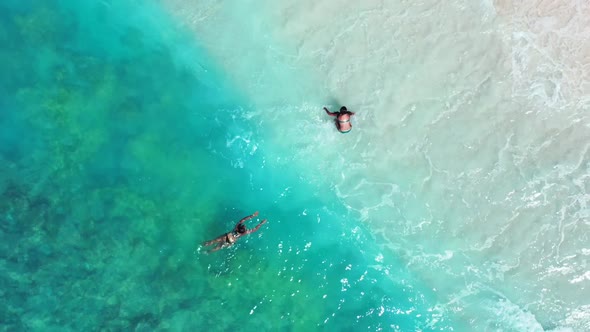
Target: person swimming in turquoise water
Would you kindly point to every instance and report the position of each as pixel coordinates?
(342, 119)
(229, 238)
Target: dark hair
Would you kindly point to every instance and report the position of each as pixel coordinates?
(343, 109)
(241, 229)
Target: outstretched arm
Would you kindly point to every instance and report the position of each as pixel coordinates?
(256, 228)
(247, 218)
(330, 113)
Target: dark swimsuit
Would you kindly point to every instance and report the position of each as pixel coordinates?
(231, 239)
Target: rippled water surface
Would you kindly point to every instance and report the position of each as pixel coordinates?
(131, 132)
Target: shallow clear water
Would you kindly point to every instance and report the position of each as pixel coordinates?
(132, 132)
(123, 148)
(469, 158)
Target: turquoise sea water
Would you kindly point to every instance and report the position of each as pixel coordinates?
(122, 148)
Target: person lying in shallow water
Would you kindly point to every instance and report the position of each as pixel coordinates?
(229, 238)
(342, 119)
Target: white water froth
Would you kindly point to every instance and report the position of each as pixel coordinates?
(470, 153)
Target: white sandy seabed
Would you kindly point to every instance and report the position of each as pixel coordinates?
(470, 154)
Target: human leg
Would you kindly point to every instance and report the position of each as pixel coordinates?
(218, 239)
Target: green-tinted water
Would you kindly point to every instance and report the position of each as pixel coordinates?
(122, 148)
